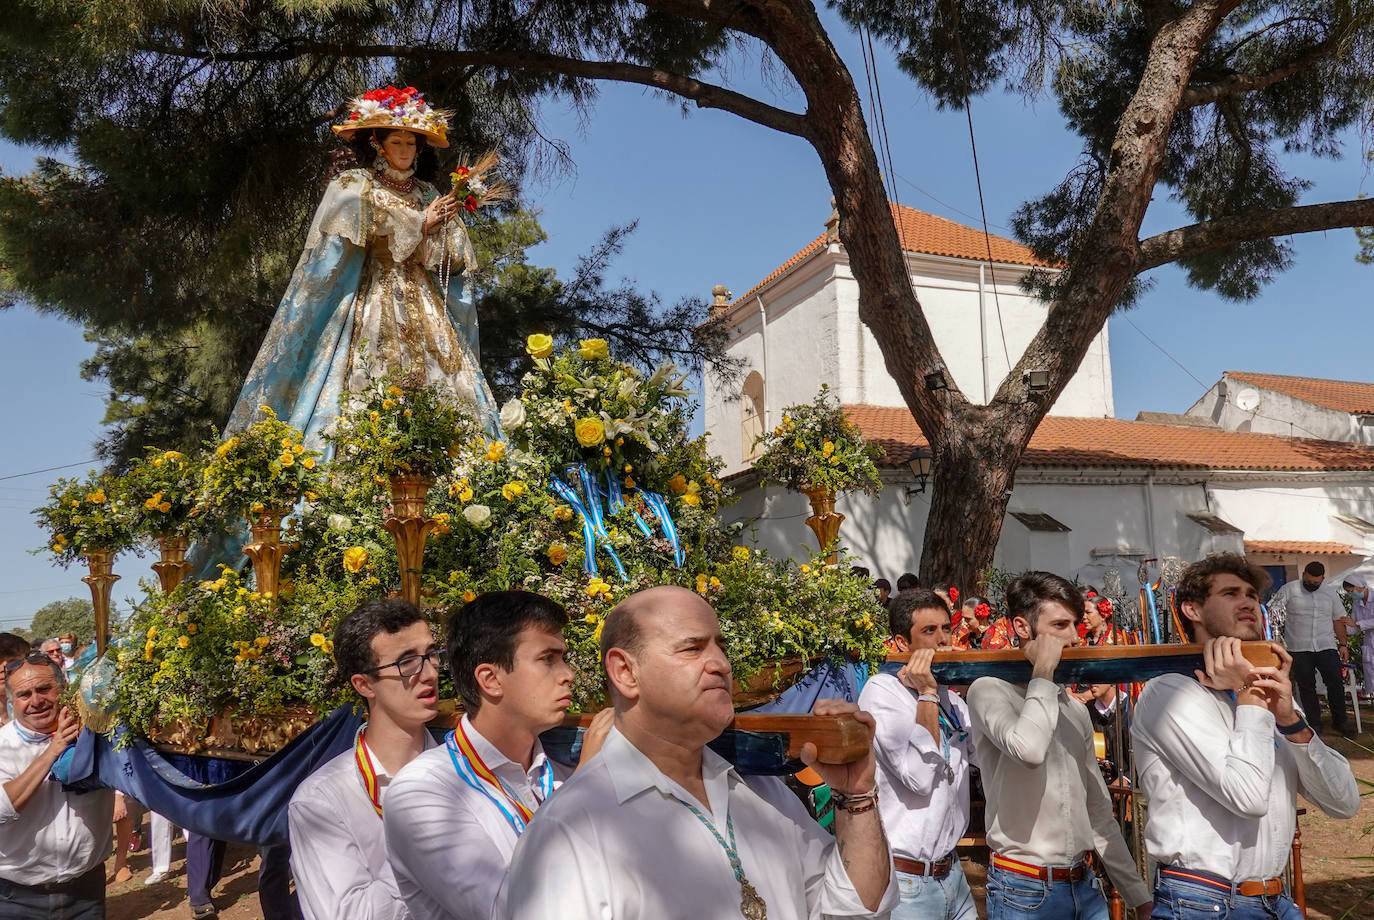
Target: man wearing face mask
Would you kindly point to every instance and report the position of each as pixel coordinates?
(1317, 643)
(1362, 611)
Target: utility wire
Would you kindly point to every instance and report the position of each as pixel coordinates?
(65, 466)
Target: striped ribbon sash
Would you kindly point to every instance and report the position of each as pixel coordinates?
(368, 773)
(474, 771)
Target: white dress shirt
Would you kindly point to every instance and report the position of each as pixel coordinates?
(618, 841)
(923, 811)
(1222, 783)
(338, 850)
(1047, 803)
(1308, 615)
(449, 845)
(59, 835)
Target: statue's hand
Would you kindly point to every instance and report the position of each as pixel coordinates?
(439, 211)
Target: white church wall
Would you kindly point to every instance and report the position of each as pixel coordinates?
(1277, 413)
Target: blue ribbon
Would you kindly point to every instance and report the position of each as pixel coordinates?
(615, 500)
(659, 506)
(469, 776)
(593, 526)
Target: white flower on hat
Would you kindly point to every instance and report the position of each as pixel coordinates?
(370, 107)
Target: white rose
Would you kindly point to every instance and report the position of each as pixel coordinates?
(338, 522)
(477, 515)
(513, 415)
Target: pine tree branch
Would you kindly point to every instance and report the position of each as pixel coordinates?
(705, 95)
(1237, 84)
(1255, 224)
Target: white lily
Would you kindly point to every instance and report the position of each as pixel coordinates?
(676, 388)
(664, 371)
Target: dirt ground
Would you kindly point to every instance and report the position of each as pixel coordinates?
(1337, 861)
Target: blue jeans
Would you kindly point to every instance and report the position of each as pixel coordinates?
(925, 897)
(83, 898)
(1013, 896)
(1178, 899)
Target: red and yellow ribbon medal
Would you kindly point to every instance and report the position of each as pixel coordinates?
(474, 771)
(367, 771)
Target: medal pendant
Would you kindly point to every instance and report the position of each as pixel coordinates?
(751, 905)
(949, 773)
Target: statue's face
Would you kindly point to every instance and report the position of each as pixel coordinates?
(400, 149)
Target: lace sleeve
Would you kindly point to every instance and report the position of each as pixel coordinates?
(344, 211)
(402, 225)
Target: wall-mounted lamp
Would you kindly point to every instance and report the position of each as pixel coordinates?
(920, 464)
(936, 380)
(1037, 381)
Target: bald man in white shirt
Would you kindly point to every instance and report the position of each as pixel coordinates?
(658, 827)
(1221, 756)
(1047, 804)
(338, 849)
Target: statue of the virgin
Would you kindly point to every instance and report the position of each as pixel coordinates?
(382, 271)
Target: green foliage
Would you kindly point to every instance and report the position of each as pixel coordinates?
(86, 515)
(74, 615)
(266, 467)
(818, 447)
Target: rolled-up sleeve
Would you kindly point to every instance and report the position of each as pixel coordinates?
(904, 748)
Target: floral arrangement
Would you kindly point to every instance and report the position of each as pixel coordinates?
(162, 488)
(264, 468)
(474, 185)
(818, 447)
(84, 516)
(586, 432)
(402, 425)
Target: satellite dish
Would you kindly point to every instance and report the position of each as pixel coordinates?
(1248, 399)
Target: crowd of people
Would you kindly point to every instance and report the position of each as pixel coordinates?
(653, 824)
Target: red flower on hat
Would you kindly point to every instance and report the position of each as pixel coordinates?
(982, 611)
(953, 595)
(1104, 608)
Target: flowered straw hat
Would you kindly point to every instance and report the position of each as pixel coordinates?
(392, 108)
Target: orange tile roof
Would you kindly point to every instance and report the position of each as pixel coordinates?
(1298, 547)
(1341, 395)
(930, 234)
(1062, 441)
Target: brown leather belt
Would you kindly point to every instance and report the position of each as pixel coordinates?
(937, 869)
(1255, 888)
(1046, 874)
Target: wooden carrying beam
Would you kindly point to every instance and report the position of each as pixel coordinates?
(838, 739)
(1107, 664)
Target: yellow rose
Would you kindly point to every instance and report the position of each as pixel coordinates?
(328, 646)
(591, 349)
(495, 451)
(152, 632)
(678, 483)
(591, 618)
(317, 639)
(287, 459)
(184, 642)
(562, 513)
(388, 404)
(741, 553)
(629, 482)
(192, 628)
(827, 448)
(557, 553)
(308, 462)
(152, 503)
(539, 345)
(172, 456)
(469, 597)
(589, 431)
(805, 569)
(512, 490)
(97, 497)
(354, 558)
(394, 390)
(297, 448)
(262, 642)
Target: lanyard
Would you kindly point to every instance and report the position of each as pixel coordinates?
(474, 771)
(363, 758)
(31, 737)
(751, 904)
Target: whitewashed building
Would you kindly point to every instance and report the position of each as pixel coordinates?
(1094, 492)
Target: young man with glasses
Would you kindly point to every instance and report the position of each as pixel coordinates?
(338, 850)
(52, 842)
(454, 814)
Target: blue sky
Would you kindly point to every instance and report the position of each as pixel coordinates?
(720, 200)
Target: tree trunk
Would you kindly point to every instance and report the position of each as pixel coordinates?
(975, 461)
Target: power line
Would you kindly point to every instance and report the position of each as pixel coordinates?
(947, 205)
(65, 466)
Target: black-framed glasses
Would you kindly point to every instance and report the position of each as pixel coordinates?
(411, 665)
(15, 664)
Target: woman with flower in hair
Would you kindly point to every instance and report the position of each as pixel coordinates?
(382, 274)
(1097, 620)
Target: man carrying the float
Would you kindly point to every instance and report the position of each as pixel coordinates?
(338, 853)
(454, 814)
(924, 748)
(1047, 805)
(1222, 757)
(659, 828)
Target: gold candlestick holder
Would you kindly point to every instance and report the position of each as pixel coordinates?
(825, 521)
(266, 549)
(101, 581)
(172, 568)
(409, 526)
